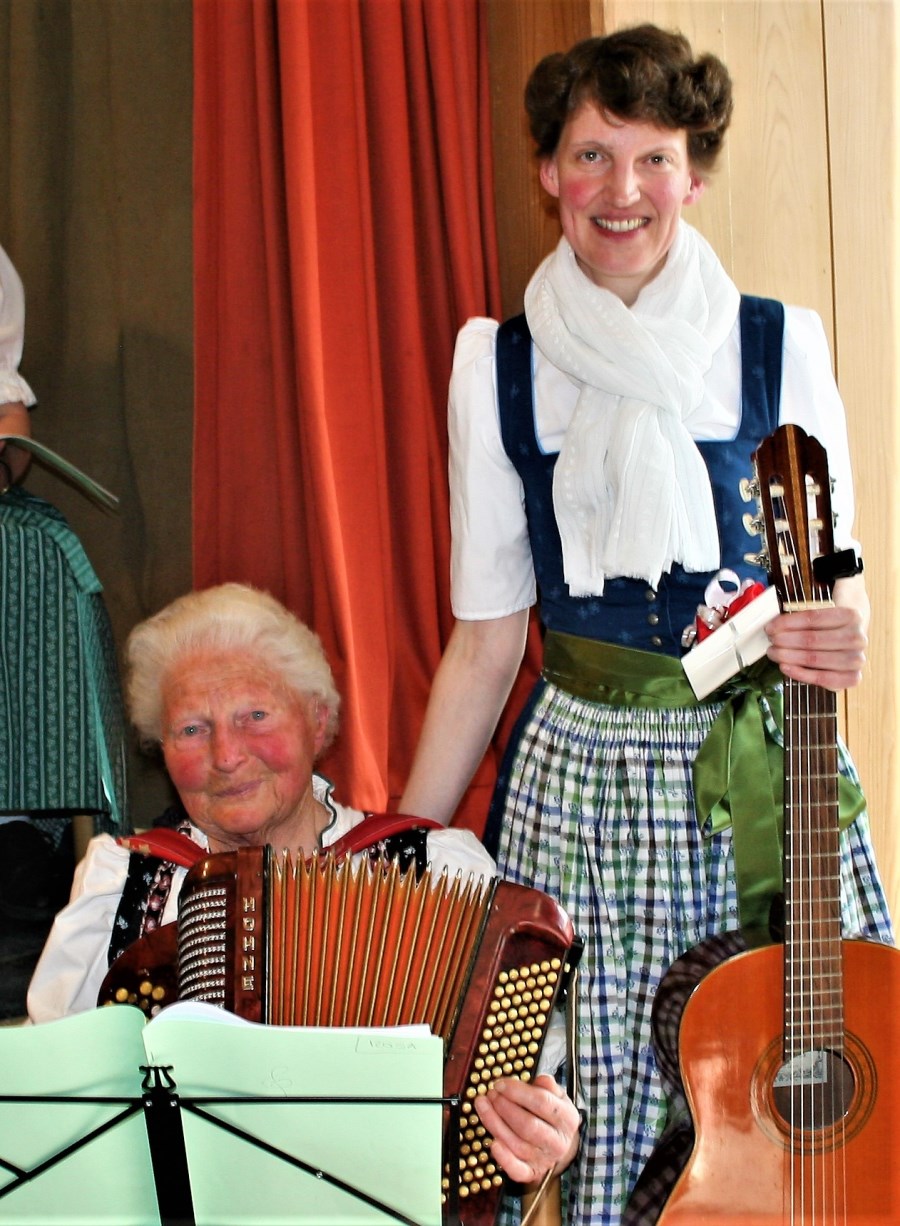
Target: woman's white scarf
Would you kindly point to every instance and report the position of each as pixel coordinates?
(631, 492)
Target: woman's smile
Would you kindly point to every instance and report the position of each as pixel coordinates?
(625, 226)
(237, 791)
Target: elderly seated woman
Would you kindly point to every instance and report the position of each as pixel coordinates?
(240, 696)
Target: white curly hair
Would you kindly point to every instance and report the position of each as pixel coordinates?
(229, 617)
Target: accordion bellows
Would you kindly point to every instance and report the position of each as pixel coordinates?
(325, 942)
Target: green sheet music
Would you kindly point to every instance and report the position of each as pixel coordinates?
(107, 1180)
(389, 1152)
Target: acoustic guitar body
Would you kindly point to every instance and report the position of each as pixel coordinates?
(815, 1142)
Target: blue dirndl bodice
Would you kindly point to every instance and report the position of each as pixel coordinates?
(630, 613)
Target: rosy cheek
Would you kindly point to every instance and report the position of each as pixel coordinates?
(278, 751)
(577, 192)
(187, 769)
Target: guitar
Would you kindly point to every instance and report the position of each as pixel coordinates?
(789, 1055)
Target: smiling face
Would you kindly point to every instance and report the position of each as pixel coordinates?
(240, 750)
(621, 186)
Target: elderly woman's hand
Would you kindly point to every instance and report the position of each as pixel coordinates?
(535, 1126)
(825, 647)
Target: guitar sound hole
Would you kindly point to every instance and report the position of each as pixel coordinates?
(813, 1090)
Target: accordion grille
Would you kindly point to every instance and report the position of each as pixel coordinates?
(203, 962)
(368, 945)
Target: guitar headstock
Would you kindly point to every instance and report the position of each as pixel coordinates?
(794, 494)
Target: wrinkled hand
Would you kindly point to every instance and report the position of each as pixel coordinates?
(825, 647)
(535, 1126)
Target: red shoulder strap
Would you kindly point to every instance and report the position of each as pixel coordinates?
(165, 845)
(179, 849)
(378, 826)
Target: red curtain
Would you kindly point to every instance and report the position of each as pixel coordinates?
(343, 232)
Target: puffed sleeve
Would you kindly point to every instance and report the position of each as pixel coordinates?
(73, 963)
(13, 387)
(810, 399)
(491, 571)
(458, 851)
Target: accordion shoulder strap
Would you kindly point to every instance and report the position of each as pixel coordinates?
(165, 845)
(179, 849)
(375, 828)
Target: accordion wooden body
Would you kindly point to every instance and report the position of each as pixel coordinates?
(337, 943)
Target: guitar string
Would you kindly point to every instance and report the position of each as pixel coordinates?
(794, 935)
(833, 869)
(826, 865)
(809, 707)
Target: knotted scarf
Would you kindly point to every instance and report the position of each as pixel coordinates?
(631, 492)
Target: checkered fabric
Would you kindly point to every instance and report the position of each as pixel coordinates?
(599, 813)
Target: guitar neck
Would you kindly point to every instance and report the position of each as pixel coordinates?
(813, 997)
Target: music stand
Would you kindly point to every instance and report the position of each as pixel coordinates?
(225, 1123)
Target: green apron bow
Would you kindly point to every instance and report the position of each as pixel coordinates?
(739, 769)
(739, 782)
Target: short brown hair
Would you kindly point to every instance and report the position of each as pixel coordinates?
(643, 73)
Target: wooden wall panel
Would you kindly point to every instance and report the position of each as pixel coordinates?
(804, 208)
(862, 42)
(520, 33)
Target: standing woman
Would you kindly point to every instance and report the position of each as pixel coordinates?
(597, 445)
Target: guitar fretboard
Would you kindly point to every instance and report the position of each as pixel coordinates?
(814, 1014)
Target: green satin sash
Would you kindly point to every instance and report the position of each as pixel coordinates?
(739, 769)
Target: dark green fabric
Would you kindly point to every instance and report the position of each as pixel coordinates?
(62, 724)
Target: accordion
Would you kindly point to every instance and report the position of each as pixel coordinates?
(328, 942)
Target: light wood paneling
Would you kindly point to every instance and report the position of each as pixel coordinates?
(862, 42)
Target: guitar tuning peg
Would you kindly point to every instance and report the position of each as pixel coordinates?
(753, 524)
(749, 489)
(758, 559)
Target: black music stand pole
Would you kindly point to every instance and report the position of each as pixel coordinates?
(162, 1114)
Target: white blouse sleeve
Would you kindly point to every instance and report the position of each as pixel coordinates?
(810, 399)
(458, 851)
(74, 963)
(491, 571)
(13, 387)
(74, 960)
